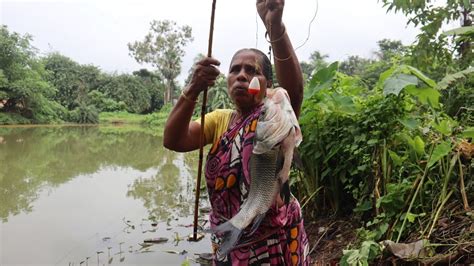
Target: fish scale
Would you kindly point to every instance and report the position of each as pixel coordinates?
(264, 188)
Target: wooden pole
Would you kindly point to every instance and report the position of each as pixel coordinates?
(201, 135)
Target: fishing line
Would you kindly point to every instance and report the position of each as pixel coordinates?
(309, 26)
(256, 32)
(304, 42)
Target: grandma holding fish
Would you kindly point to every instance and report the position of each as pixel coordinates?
(254, 218)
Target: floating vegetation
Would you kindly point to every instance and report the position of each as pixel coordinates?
(156, 240)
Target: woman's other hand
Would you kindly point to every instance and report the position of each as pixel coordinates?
(204, 76)
(270, 11)
(287, 67)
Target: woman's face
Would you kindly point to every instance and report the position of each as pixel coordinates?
(244, 66)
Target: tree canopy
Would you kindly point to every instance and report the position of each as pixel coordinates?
(23, 90)
(163, 48)
(55, 88)
(431, 52)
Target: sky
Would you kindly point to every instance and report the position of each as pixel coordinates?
(97, 31)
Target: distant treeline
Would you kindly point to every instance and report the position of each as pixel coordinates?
(54, 88)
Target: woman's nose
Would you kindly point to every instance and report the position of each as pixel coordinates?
(243, 76)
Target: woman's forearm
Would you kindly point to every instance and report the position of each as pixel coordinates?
(181, 134)
(177, 135)
(287, 66)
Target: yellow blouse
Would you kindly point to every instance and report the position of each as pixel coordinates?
(216, 124)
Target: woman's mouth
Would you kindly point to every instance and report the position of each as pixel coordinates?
(240, 89)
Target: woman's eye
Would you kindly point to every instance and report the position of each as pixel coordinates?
(234, 70)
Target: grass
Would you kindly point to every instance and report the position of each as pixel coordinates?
(154, 121)
(157, 119)
(121, 118)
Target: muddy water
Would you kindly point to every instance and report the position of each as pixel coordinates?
(92, 195)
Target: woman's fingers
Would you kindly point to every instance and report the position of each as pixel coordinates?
(208, 69)
(270, 11)
(207, 61)
(270, 4)
(205, 73)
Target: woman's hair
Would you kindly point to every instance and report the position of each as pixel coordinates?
(267, 65)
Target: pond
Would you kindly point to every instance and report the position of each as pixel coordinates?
(72, 195)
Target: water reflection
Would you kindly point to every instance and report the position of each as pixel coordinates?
(36, 158)
(165, 189)
(76, 186)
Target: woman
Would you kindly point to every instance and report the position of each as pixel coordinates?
(280, 239)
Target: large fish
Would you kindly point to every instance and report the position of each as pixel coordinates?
(276, 136)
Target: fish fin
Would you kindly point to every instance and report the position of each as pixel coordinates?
(231, 235)
(285, 192)
(207, 231)
(280, 160)
(256, 223)
(297, 161)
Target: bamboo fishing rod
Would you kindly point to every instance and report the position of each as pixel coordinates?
(201, 134)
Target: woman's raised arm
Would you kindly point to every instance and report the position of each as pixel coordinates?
(287, 66)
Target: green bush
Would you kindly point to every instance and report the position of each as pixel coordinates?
(105, 104)
(84, 114)
(12, 119)
(386, 155)
(50, 112)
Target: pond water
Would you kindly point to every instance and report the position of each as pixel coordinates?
(73, 195)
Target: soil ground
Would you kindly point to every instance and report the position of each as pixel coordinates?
(328, 237)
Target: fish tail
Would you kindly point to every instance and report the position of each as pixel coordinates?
(207, 230)
(256, 223)
(285, 192)
(231, 236)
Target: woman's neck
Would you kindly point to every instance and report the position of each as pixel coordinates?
(244, 112)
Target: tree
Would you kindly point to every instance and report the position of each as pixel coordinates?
(354, 65)
(431, 52)
(23, 89)
(316, 62)
(128, 89)
(163, 48)
(62, 74)
(445, 56)
(69, 77)
(390, 48)
(389, 52)
(155, 87)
